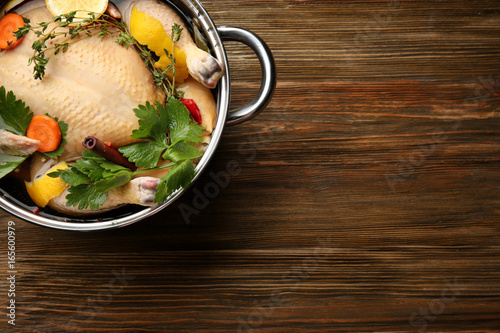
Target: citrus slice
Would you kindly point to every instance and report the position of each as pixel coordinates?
(82, 7)
(149, 31)
(46, 188)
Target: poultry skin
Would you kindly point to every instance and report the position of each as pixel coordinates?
(202, 66)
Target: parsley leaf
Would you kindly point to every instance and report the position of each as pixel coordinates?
(94, 195)
(180, 126)
(171, 131)
(180, 175)
(155, 120)
(15, 115)
(116, 180)
(182, 151)
(143, 154)
(170, 134)
(9, 162)
(153, 123)
(85, 196)
(91, 178)
(169, 128)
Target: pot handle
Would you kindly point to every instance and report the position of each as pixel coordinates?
(268, 68)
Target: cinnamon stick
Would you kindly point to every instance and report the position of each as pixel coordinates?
(108, 152)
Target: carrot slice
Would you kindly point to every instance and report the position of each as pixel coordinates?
(46, 130)
(9, 24)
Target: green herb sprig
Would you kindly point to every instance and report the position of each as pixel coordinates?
(170, 134)
(15, 117)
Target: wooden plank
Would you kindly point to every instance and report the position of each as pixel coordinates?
(366, 199)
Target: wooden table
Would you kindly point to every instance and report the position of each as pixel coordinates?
(367, 197)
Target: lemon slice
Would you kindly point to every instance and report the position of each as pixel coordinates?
(46, 188)
(82, 7)
(149, 31)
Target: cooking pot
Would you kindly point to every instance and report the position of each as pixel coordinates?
(196, 15)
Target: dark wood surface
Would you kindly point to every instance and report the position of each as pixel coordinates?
(368, 197)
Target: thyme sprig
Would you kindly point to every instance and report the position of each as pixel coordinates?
(176, 35)
(63, 30)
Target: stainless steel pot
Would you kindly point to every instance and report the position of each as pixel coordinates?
(215, 35)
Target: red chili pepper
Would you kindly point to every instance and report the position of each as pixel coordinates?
(193, 109)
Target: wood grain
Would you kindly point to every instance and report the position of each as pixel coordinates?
(367, 198)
